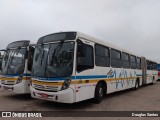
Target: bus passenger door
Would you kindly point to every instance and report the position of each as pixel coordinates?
(144, 71)
(84, 70)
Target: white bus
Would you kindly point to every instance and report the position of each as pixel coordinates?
(1, 58)
(17, 66)
(69, 67)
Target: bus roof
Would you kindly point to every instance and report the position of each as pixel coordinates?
(102, 42)
(20, 43)
(88, 38)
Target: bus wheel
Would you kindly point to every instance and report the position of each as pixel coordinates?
(136, 85)
(99, 93)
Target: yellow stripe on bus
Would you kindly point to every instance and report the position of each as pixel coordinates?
(81, 81)
(96, 80)
(9, 79)
(26, 78)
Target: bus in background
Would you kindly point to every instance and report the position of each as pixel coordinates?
(151, 71)
(158, 68)
(159, 74)
(1, 59)
(17, 66)
(69, 67)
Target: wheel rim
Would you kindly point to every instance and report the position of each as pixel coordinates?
(101, 92)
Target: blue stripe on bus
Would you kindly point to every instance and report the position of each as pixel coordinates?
(73, 77)
(142, 74)
(77, 77)
(91, 77)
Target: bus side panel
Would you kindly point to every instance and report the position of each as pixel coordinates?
(139, 76)
(149, 76)
(156, 75)
(152, 76)
(85, 88)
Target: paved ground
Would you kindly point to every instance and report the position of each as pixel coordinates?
(146, 98)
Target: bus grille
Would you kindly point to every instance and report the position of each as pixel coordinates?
(46, 88)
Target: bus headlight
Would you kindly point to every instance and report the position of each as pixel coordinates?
(19, 80)
(66, 84)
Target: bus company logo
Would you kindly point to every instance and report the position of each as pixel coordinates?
(6, 114)
(110, 73)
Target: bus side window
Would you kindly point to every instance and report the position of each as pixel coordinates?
(133, 62)
(138, 63)
(85, 59)
(102, 56)
(125, 60)
(116, 58)
(30, 57)
(148, 65)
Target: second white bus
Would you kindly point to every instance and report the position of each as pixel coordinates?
(17, 66)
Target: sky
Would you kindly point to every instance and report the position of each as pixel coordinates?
(130, 24)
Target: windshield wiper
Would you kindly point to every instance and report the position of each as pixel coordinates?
(56, 51)
(6, 57)
(42, 57)
(16, 52)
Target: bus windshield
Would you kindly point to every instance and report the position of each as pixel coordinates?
(14, 61)
(53, 59)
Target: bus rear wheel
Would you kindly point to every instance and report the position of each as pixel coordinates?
(99, 93)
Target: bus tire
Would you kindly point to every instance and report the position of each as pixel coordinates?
(99, 93)
(136, 85)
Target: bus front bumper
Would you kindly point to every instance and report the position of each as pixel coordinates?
(64, 96)
(19, 88)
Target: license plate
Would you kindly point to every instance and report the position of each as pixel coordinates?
(44, 95)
